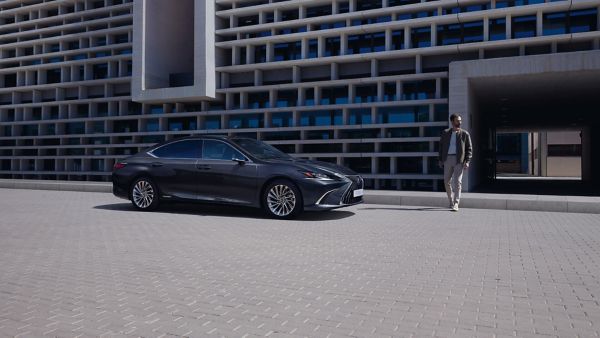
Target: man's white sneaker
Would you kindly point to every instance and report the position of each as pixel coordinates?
(455, 207)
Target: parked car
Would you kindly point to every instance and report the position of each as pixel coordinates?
(234, 170)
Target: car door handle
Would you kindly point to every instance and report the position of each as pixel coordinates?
(203, 167)
(157, 164)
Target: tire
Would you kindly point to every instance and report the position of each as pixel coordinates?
(281, 199)
(144, 194)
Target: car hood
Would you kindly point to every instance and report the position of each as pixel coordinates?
(316, 166)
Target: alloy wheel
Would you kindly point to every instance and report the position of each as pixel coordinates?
(281, 200)
(143, 194)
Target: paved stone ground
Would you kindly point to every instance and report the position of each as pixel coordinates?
(87, 264)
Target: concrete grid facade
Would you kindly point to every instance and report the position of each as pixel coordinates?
(361, 83)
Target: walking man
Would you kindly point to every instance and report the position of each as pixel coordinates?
(455, 155)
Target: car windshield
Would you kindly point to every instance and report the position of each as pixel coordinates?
(262, 150)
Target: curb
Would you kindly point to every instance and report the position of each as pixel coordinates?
(571, 204)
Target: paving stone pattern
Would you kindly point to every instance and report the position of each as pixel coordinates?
(87, 264)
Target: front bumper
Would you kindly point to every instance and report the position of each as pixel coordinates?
(339, 197)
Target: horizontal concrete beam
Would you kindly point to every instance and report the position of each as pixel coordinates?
(574, 204)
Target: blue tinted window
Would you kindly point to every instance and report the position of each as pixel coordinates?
(287, 98)
(367, 93)
(260, 54)
(555, 23)
(497, 29)
(321, 118)
(366, 43)
(403, 114)
(364, 5)
(191, 149)
(360, 116)
(313, 50)
(246, 121)
(472, 32)
(212, 122)
(287, 51)
(421, 37)
(398, 39)
(389, 92)
(282, 119)
(583, 20)
(523, 26)
(335, 95)
(217, 150)
(258, 100)
(418, 90)
(332, 46)
(152, 125)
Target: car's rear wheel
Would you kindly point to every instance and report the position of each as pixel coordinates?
(144, 194)
(282, 199)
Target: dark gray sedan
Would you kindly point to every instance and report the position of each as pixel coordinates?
(240, 171)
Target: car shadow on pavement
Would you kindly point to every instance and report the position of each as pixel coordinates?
(226, 210)
(410, 209)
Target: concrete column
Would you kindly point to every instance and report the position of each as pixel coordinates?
(249, 54)
(433, 34)
(486, 29)
(270, 51)
(543, 158)
(321, 46)
(388, 39)
(296, 74)
(334, 71)
(304, 48)
(235, 55)
(539, 24)
(374, 68)
(374, 165)
(407, 38)
(508, 26)
(258, 78)
(344, 44)
(300, 100)
(586, 154)
(272, 98)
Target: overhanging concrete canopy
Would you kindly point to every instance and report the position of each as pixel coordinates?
(536, 82)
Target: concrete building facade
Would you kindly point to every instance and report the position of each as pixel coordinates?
(368, 84)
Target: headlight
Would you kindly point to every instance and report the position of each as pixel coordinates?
(318, 176)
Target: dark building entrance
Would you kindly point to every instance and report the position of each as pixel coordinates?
(514, 118)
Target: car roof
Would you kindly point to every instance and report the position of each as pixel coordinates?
(200, 137)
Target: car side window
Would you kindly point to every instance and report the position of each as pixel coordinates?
(217, 150)
(182, 149)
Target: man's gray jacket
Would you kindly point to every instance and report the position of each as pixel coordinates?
(464, 148)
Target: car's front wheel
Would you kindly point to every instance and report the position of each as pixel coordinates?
(282, 199)
(144, 194)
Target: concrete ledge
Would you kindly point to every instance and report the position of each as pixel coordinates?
(575, 204)
(57, 185)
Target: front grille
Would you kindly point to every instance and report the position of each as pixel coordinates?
(357, 183)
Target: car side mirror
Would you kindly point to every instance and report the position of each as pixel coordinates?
(239, 161)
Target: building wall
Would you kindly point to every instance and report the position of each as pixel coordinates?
(359, 83)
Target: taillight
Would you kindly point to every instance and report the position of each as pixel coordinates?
(119, 165)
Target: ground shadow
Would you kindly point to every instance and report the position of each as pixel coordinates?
(226, 210)
(410, 209)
